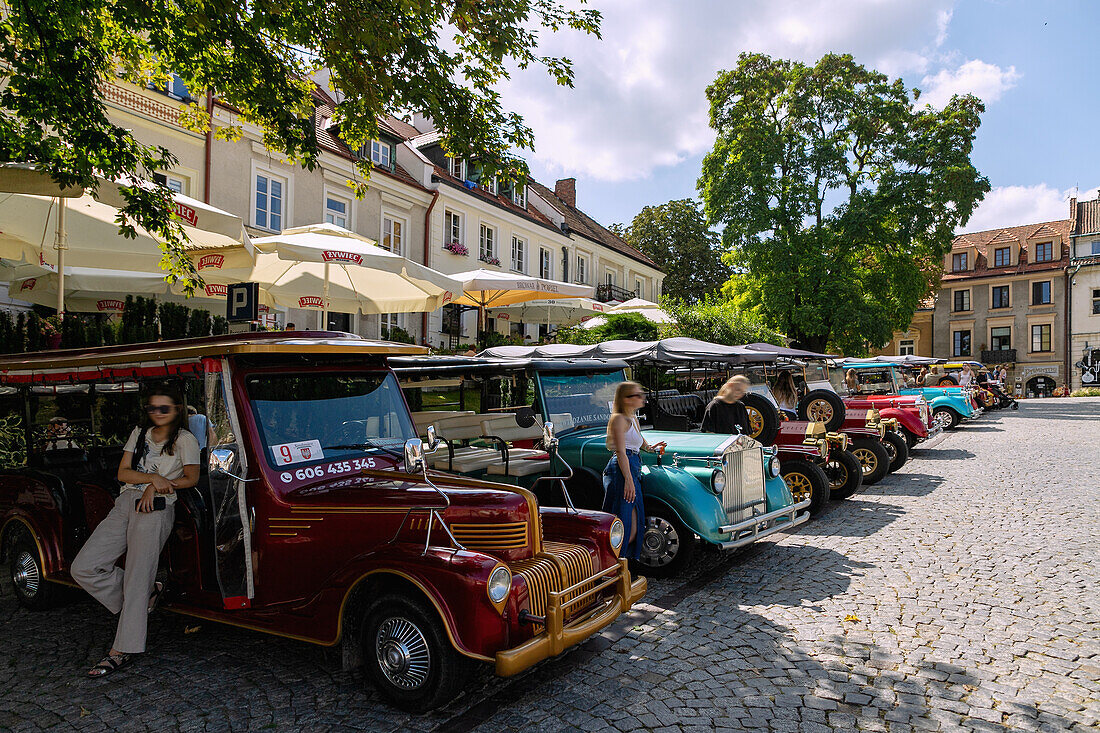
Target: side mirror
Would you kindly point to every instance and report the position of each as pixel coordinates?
(221, 463)
(433, 440)
(414, 455)
(549, 440)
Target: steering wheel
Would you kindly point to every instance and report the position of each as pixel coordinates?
(349, 432)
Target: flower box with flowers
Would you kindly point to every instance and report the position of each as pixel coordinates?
(456, 248)
(490, 260)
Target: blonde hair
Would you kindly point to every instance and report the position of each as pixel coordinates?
(740, 380)
(618, 405)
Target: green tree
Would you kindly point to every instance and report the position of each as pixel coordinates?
(440, 57)
(719, 321)
(836, 193)
(630, 326)
(676, 236)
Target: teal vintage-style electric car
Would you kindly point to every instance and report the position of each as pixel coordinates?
(722, 490)
(949, 405)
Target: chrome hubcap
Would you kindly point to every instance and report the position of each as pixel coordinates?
(820, 411)
(402, 652)
(891, 449)
(941, 419)
(867, 460)
(660, 543)
(25, 574)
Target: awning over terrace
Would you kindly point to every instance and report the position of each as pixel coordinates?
(665, 350)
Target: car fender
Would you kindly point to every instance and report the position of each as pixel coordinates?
(693, 504)
(777, 494)
(907, 420)
(44, 527)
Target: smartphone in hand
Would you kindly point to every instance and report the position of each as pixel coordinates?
(159, 502)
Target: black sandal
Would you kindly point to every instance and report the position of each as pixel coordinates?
(111, 663)
(154, 597)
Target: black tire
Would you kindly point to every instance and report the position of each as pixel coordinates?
(821, 405)
(897, 448)
(947, 381)
(408, 656)
(948, 418)
(667, 545)
(28, 577)
(763, 416)
(873, 458)
(911, 439)
(845, 474)
(803, 477)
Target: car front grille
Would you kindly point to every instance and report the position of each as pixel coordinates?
(744, 490)
(561, 565)
(491, 537)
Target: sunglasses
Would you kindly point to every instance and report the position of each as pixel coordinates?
(160, 409)
(636, 395)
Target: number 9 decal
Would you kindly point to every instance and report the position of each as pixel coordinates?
(285, 451)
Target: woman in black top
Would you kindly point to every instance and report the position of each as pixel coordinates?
(725, 414)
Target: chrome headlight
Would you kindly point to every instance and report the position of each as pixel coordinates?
(773, 467)
(500, 582)
(616, 535)
(718, 481)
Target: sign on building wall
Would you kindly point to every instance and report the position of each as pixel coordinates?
(1090, 367)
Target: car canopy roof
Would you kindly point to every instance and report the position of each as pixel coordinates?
(788, 352)
(478, 365)
(678, 349)
(907, 360)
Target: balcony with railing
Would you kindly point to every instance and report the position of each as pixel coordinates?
(608, 293)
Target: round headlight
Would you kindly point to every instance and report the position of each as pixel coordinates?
(616, 535)
(718, 481)
(773, 467)
(500, 582)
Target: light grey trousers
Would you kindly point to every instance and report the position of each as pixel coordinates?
(141, 536)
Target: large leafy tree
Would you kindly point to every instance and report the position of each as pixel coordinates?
(676, 236)
(439, 57)
(719, 321)
(838, 194)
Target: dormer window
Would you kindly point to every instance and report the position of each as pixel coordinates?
(1002, 257)
(457, 168)
(1044, 252)
(519, 196)
(489, 183)
(381, 153)
(959, 262)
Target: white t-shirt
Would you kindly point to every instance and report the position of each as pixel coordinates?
(965, 378)
(184, 453)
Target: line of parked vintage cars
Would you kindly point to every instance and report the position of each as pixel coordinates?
(428, 513)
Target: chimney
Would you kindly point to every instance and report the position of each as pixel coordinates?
(422, 122)
(1073, 214)
(566, 190)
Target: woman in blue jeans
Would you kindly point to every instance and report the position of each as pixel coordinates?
(622, 478)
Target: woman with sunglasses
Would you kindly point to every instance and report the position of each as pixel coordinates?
(622, 478)
(160, 457)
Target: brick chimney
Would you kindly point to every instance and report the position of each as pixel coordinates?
(566, 190)
(1073, 215)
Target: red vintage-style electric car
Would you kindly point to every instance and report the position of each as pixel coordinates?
(315, 517)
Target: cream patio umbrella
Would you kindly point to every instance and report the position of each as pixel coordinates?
(326, 267)
(648, 310)
(495, 289)
(85, 231)
(563, 312)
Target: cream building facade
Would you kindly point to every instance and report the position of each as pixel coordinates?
(1083, 274)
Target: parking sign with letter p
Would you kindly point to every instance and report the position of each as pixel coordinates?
(242, 302)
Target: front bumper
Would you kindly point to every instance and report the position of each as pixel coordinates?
(557, 636)
(976, 413)
(753, 524)
(935, 437)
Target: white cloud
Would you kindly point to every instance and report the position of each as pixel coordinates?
(639, 99)
(1010, 206)
(985, 81)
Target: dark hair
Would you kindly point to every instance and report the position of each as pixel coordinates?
(176, 424)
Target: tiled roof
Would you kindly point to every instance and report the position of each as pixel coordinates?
(502, 201)
(1088, 218)
(334, 144)
(399, 128)
(587, 227)
(983, 242)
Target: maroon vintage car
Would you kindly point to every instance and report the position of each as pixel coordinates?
(315, 517)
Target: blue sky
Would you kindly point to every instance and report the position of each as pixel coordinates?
(633, 130)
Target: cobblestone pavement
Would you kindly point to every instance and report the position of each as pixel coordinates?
(959, 594)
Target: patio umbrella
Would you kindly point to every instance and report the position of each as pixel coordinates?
(648, 309)
(85, 230)
(327, 267)
(492, 288)
(564, 312)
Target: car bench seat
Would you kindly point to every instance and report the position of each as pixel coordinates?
(462, 429)
(519, 461)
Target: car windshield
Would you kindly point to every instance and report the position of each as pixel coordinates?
(876, 380)
(327, 416)
(574, 401)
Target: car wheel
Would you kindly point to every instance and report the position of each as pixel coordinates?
(845, 474)
(667, 545)
(763, 418)
(28, 577)
(408, 655)
(821, 405)
(897, 448)
(806, 481)
(873, 457)
(945, 417)
(911, 439)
